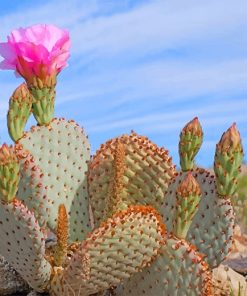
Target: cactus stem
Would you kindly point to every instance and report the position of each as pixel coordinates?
(114, 201)
(62, 236)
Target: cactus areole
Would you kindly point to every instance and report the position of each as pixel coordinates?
(124, 220)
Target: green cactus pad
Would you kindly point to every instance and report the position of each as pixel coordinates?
(31, 187)
(121, 246)
(147, 172)
(61, 150)
(178, 270)
(211, 230)
(23, 244)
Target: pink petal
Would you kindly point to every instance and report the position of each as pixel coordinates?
(7, 51)
(6, 65)
(36, 50)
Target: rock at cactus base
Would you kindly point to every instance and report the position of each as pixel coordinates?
(228, 282)
(10, 280)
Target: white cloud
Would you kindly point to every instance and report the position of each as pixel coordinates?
(120, 75)
(161, 122)
(61, 13)
(158, 24)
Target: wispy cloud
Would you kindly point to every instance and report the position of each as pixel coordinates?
(146, 65)
(159, 24)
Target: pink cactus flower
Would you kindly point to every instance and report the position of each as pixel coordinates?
(39, 50)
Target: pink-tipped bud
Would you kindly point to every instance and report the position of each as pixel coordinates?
(22, 94)
(7, 155)
(227, 161)
(188, 198)
(230, 139)
(20, 106)
(190, 142)
(193, 127)
(189, 186)
(9, 173)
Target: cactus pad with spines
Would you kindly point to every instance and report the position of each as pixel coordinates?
(211, 229)
(23, 244)
(45, 225)
(178, 270)
(121, 246)
(147, 172)
(62, 151)
(31, 188)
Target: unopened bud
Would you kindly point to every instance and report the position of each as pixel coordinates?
(20, 106)
(190, 142)
(22, 94)
(227, 162)
(230, 140)
(193, 127)
(188, 197)
(7, 155)
(189, 186)
(9, 173)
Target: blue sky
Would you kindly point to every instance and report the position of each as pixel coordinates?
(148, 66)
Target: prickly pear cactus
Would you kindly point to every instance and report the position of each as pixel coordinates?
(121, 246)
(31, 188)
(178, 270)
(61, 151)
(211, 229)
(146, 172)
(123, 220)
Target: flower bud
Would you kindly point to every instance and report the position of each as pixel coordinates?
(190, 142)
(227, 162)
(9, 173)
(20, 106)
(193, 127)
(189, 186)
(230, 140)
(188, 197)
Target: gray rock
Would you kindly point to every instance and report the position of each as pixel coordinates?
(238, 264)
(10, 280)
(226, 281)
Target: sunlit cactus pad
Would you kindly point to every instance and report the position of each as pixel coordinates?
(23, 244)
(212, 227)
(148, 169)
(121, 246)
(61, 150)
(179, 270)
(32, 189)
